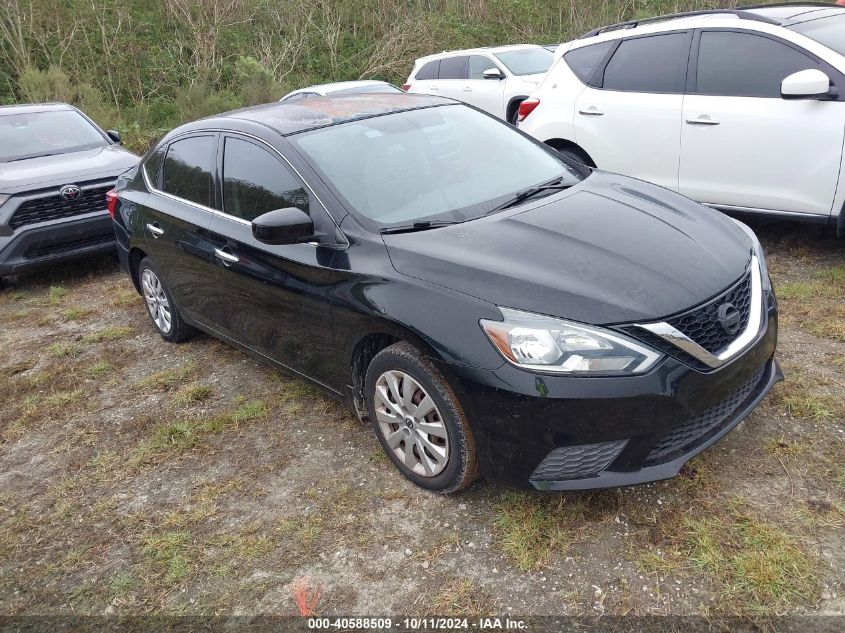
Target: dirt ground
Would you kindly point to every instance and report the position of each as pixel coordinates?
(140, 477)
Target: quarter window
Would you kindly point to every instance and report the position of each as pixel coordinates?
(153, 166)
(453, 67)
(429, 71)
(187, 169)
(745, 65)
(478, 64)
(255, 182)
(584, 61)
(648, 64)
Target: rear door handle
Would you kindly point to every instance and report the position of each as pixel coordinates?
(226, 257)
(702, 120)
(467, 88)
(155, 229)
(591, 111)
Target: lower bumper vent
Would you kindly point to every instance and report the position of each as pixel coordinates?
(577, 462)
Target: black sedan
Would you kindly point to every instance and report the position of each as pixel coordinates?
(55, 167)
(489, 306)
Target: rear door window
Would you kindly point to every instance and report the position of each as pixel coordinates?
(188, 168)
(745, 65)
(453, 67)
(585, 60)
(656, 63)
(429, 70)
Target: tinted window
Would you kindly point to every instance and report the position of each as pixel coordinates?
(153, 166)
(527, 61)
(453, 67)
(429, 71)
(648, 64)
(828, 31)
(255, 182)
(744, 65)
(478, 64)
(187, 169)
(584, 61)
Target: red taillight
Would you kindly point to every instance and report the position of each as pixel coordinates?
(526, 108)
(406, 87)
(111, 201)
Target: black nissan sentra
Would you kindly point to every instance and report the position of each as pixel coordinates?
(490, 307)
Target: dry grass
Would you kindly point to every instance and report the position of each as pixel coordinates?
(461, 597)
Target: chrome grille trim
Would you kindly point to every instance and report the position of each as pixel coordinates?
(675, 337)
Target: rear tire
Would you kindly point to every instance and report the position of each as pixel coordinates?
(160, 305)
(419, 421)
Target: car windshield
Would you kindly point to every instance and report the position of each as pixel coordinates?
(366, 89)
(527, 61)
(448, 163)
(829, 31)
(34, 134)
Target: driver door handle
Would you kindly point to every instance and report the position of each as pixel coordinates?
(155, 229)
(226, 257)
(591, 111)
(702, 120)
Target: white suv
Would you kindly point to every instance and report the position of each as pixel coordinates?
(742, 110)
(493, 79)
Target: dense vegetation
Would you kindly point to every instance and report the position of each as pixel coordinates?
(145, 66)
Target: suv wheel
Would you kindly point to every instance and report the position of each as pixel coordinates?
(419, 421)
(160, 305)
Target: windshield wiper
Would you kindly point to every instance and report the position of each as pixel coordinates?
(522, 196)
(416, 226)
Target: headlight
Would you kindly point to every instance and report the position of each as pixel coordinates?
(758, 251)
(3, 200)
(546, 344)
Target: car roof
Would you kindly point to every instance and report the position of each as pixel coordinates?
(341, 85)
(783, 14)
(26, 108)
(316, 112)
(483, 49)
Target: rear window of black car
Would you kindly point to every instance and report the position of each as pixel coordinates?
(187, 169)
(584, 61)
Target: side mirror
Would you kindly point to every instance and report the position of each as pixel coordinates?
(283, 226)
(114, 135)
(806, 84)
(492, 73)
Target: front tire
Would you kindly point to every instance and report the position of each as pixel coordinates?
(419, 421)
(160, 305)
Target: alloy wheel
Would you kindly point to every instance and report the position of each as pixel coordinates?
(411, 424)
(157, 302)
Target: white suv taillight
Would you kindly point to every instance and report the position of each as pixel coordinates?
(526, 108)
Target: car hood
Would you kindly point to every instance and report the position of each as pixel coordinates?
(609, 250)
(74, 167)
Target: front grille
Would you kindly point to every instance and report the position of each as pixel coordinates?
(55, 207)
(67, 247)
(577, 462)
(702, 324)
(705, 425)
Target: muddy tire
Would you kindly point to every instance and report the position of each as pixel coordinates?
(419, 421)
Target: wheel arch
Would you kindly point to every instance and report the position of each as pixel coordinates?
(135, 257)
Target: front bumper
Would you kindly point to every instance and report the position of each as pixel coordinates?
(572, 433)
(59, 240)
